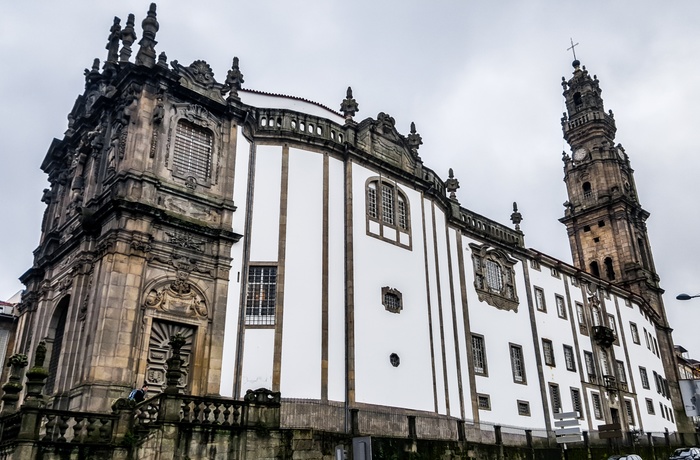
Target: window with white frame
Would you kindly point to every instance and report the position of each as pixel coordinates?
(569, 358)
(192, 151)
(517, 364)
(387, 212)
(261, 295)
(561, 306)
(548, 352)
(539, 299)
(479, 351)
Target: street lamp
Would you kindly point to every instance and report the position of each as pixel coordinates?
(686, 296)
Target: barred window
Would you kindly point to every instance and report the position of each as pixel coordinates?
(479, 350)
(635, 333)
(576, 401)
(621, 375)
(650, 406)
(539, 299)
(630, 412)
(561, 307)
(555, 397)
(261, 295)
(644, 377)
(494, 276)
(590, 365)
(372, 200)
(517, 363)
(548, 352)
(569, 358)
(193, 150)
(388, 205)
(583, 328)
(524, 408)
(597, 406)
(392, 299)
(484, 401)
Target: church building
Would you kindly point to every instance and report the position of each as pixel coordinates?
(299, 248)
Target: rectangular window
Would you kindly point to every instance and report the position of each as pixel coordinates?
(479, 350)
(576, 401)
(597, 406)
(523, 408)
(192, 151)
(644, 377)
(517, 364)
(656, 347)
(561, 307)
(605, 363)
(261, 295)
(548, 352)
(387, 204)
(555, 397)
(372, 201)
(555, 272)
(621, 374)
(612, 325)
(534, 264)
(590, 366)
(403, 214)
(581, 319)
(630, 412)
(595, 315)
(635, 333)
(646, 338)
(650, 406)
(539, 299)
(656, 382)
(661, 407)
(569, 358)
(484, 401)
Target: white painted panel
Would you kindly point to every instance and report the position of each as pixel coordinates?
(257, 359)
(378, 332)
(336, 281)
(266, 204)
(301, 346)
(240, 187)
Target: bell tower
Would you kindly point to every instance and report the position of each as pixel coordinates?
(604, 219)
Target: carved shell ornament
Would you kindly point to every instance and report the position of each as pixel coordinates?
(201, 72)
(179, 297)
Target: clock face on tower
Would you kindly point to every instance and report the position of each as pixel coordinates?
(580, 154)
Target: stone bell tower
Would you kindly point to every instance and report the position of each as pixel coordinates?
(605, 221)
(136, 237)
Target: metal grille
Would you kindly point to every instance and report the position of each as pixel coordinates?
(494, 279)
(261, 296)
(576, 401)
(561, 310)
(192, 155)
(569, 358)
(555, 397)
(387, 204)
(403, 214)
(372, 201)
(479, 355)
(621, 375)
(523, 408)
(516, 361)
(635, 333)
(392, 302)
(645, 378)
(539, 299)
(548, 352)
(597, 407)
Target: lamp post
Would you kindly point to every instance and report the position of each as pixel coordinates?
(686, 296)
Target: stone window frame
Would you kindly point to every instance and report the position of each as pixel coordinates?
(569, 358)
(597, 404)
(483, 401)
(650, 406)
(535, 264)
(523, 408)
(581, 319)
(387, 294)
(630, 412)
(548, 353)
(201, 118)
(260, 321)
(576, 402)
(589, 362)
(487, 281)
(561, 306)
(555, 397)
(376, 207)
(484, 365)
(517, 363)
(621, 373)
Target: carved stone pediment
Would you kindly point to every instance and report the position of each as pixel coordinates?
(179, 297)
(381, 139)
(199, 77)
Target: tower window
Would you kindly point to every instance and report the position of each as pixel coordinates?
(609, 271)
(586, 228)
(601, 223)
(192, 153)
(595, 271)
(578, 100)
(587, 193)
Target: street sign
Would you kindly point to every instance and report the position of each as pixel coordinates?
(565, 415)
(610, 431)
(569, 438)
(565, 423)
(568, 428)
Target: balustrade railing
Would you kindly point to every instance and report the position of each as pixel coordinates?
(211, 411)
(75, 427)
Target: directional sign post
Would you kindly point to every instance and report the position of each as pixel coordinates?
(567, 428)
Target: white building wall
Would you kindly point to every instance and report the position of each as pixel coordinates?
(257, 359)
(302, 326)
(264, 237)
(378, 332)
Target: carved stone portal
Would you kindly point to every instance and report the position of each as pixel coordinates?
(179, 297)
(159, 351)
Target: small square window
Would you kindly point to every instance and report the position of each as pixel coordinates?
(484, 401)
(524, 408)
(535, 264)
(555, 272)
(586, 228)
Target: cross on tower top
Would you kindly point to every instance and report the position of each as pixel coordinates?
(572, 47)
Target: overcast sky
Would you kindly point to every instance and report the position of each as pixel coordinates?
(481, 80)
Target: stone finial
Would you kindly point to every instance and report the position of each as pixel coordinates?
(36, 377)
(40, 354)
(92, 76)
(147, 52)
(349, 106)
(516, 217)
(234, 80)
(451, 185)
(14, 386)
(414, 139)
(163, 60)
(128, 37)
(113, 43)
